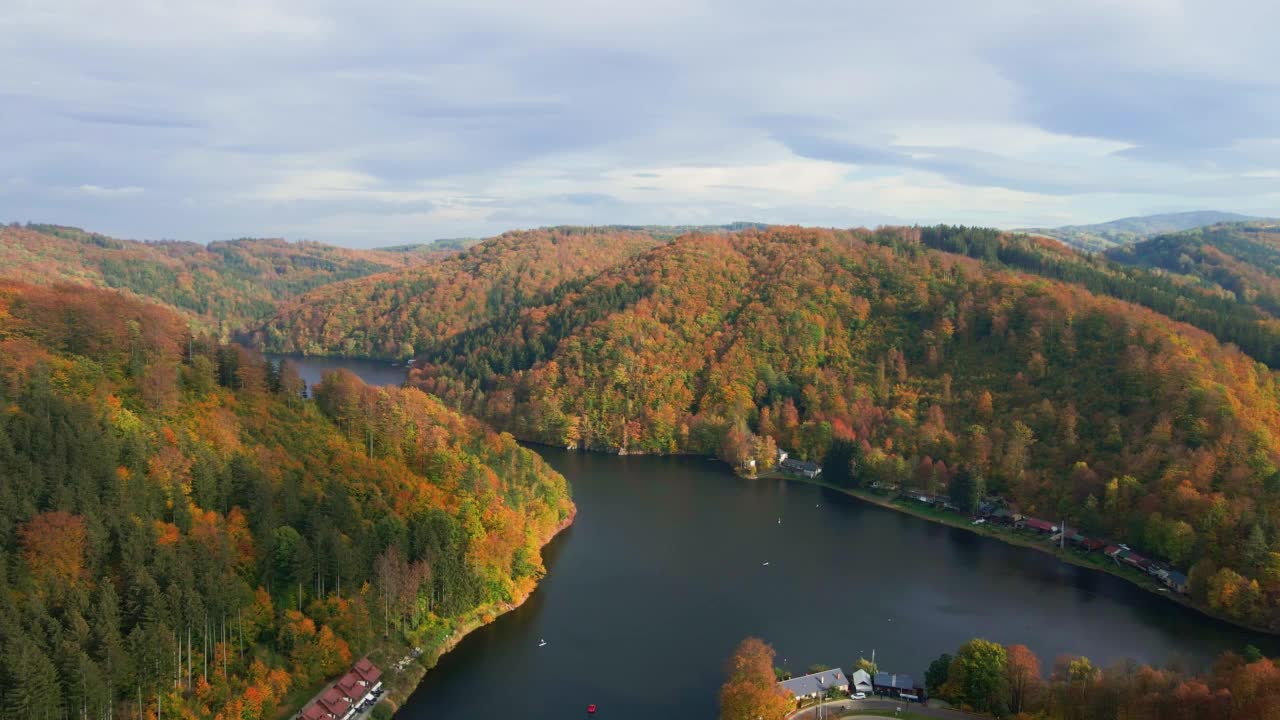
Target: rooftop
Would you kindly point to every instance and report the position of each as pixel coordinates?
(894, 680)
(800, 464)
(816, 682)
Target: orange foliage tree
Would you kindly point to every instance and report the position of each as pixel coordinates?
(53, 545)
(752, 691)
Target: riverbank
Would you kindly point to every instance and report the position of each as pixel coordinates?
(398, 685)
(1010, 536)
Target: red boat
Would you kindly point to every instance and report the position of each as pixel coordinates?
(591, 709)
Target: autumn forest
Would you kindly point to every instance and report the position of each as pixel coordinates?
(185, 525)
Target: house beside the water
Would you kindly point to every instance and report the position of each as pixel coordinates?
(1038, 525)
(816, 684)
(861, 682)
(803, 468)
(897, 685)
(343, 699)
(1176, 581)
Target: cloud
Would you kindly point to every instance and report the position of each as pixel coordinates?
(100, 191)
(403, 121)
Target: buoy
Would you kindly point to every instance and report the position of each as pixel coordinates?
(591, 709)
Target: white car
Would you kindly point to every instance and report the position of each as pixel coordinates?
(859, 696)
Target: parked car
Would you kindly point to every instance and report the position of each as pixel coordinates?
(859, 696)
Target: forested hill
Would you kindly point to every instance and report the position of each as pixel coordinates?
(227, 283)
(1073, 405)
(1239, 261)
(179, 526)
(399, 314)
(1125, 231)
(1237, 318)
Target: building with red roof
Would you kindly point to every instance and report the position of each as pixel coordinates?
(334, 702)
(340, 700)
(1040, 525)
(351, 687)
(368, 673)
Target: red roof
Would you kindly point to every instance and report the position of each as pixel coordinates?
(1091, 544)
(350, 686)
(1137, 560)
(1035, 524)
(333, 701)
(367, 671)
(1112, 550)
(314, 711)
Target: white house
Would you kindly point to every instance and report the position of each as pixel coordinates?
(861, 680)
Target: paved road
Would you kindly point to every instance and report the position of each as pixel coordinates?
(838, 708)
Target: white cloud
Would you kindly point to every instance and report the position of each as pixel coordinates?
(390, 120)
(101, 191)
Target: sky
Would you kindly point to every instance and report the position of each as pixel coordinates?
(373, 123)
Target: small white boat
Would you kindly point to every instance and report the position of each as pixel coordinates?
(766, 562)
(779, 521)
(542, 642)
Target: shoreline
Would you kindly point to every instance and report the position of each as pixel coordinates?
(961, 523)
(1141, 581)
(411, 677)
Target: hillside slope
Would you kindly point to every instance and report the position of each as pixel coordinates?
(1229, 317)
(1071, 404)
(1240, 261)
(397, 314)
(1101, 236)
(227, 283)
(179, 527)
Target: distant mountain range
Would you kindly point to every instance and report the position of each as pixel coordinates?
(1126, 231)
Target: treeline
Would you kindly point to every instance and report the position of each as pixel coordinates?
(1008, 681)
(1231, 318)
(401, 315)
(1074, 406)
(223, 285)
(181, 531)
(1240, 261)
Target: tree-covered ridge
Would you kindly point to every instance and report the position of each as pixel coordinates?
(400, 314)
(228, 283)
(1231, 318)
(179, 526)
(1239, 261)
(1072, 405)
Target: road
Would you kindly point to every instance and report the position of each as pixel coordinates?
(838, 708)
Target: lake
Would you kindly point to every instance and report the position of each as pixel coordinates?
(373, 372)
(663, 574)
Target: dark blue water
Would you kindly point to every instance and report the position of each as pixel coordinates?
(374, 372)
(662, 575)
